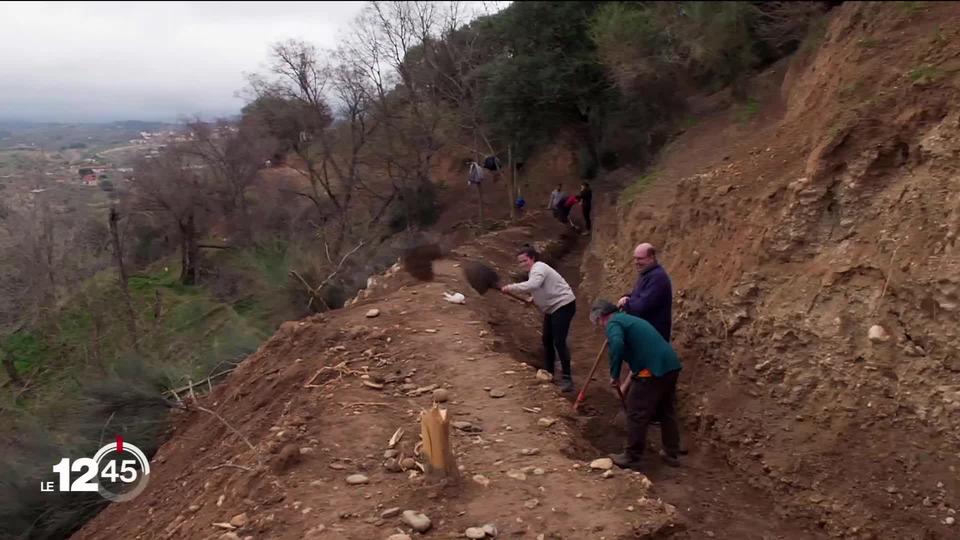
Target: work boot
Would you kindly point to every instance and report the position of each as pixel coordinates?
(625, 461)
(566, 385)
(670, 459)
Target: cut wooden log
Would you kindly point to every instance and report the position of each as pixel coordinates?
(435, 432)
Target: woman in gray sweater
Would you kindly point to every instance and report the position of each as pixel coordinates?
(554, 297)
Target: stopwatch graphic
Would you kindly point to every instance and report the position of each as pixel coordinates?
(119, 471)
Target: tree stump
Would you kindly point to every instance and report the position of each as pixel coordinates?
(435, 432)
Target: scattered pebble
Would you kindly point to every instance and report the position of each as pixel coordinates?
(373, 313)
(516, 475)
(531, 504)
(544, 375)
(877, 334)
(390, 512)
(475, 532)
(441, 395)
(950, 520)
(497, 393)
(530, 451)
(481, 479)
(419, 522)
(546, 422)
(490, 529)
(608, 474)
(357, 479)
(239, 520)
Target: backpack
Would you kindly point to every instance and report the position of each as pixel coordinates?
(491, 163)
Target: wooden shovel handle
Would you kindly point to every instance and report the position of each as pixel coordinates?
(596, 363)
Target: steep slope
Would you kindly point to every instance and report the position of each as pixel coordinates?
(788, 235)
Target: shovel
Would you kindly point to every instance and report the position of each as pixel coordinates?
(583, 391)
(482, 278)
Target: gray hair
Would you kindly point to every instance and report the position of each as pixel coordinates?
(601, 308)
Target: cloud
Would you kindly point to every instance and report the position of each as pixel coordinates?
(152, 61)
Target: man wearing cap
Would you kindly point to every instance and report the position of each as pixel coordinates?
(652, 384)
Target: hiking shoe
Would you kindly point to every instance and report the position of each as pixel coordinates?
(566, 385)
(625, 461)
(670, 459)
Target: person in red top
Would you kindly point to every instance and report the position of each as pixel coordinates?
(564, 207)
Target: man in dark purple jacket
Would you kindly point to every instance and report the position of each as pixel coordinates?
(652, 296)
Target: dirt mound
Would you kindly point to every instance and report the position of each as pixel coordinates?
(790, 228)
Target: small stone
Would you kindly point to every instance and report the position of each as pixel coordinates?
(645, 482)
(544, 375)
(516, 475)
(306, 450)
(463, 426)
(390, 512)
(481, 479)
(607, 474)
(530, 451)
(373, 313)
(546, 422)
(475, 532)
(950, 520)
(337, 466)
(239, 520)
(194, 507)
(387, 454)
(357, 479)
(441, 395)
(531, 504)
(417, 520)
(497, 393)
(877, 334)
(602, 464)
(229, 536)
(398, 537)
(431, 330)
(408, 463)
(490, 529)
(374, 385)
(891, 489)
(539, 472)
(392, 465)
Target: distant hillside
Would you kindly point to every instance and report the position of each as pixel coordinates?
(57, 136)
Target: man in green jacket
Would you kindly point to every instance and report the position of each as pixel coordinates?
(651, 393)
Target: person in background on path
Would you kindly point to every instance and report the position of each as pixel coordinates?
(554, 297)
(563, 210)
(586, 203)
(652, 296)
(651, 387)
(555, 198)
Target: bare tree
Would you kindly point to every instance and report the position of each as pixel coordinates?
(170, 186)
(122, 279)
(233, 156)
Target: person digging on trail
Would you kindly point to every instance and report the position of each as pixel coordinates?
(651, 386)
(652, 296)
(554, 297)
(586, 204)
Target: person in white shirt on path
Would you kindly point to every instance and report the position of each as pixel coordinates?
(554, 297)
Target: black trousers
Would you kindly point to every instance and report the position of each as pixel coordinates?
(652, 398)
(586, 216)
(556, 327)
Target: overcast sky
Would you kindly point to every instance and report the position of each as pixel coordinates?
(98, 62)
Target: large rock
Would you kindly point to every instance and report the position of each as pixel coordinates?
(417, 520)
(602, 464)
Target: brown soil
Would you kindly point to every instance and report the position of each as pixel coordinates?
(788, 235)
